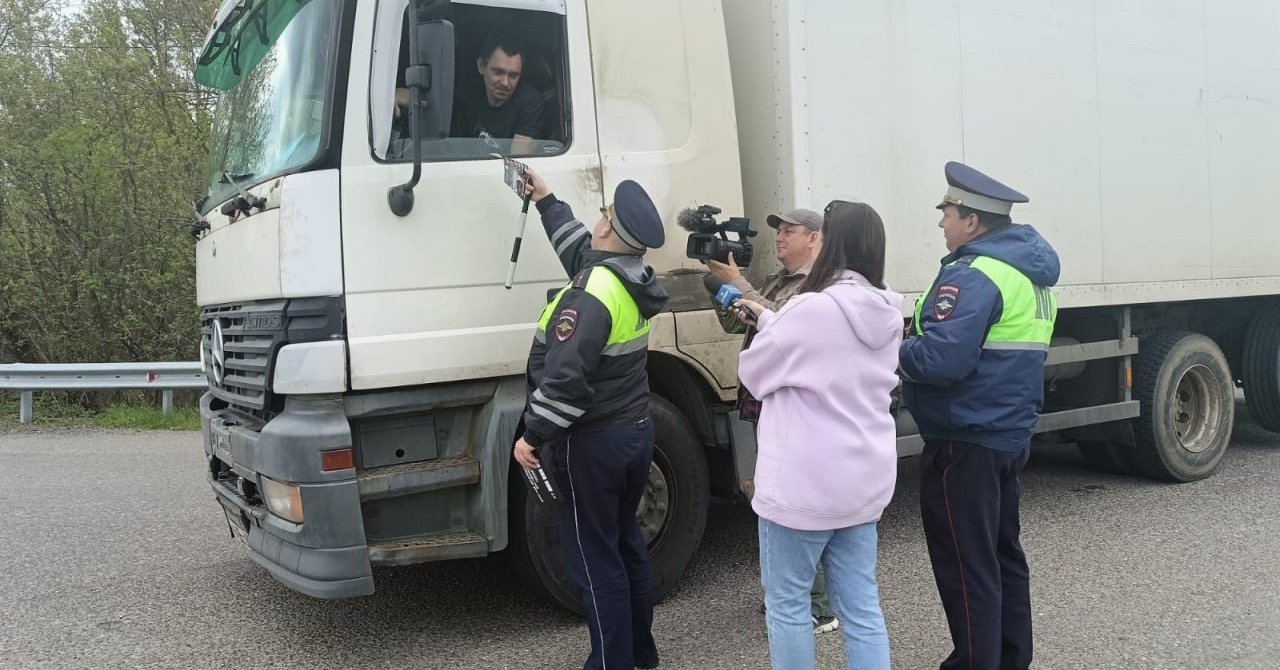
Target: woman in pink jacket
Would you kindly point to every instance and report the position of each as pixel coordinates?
(825, 366)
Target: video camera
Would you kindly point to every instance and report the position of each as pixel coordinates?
(709, 240)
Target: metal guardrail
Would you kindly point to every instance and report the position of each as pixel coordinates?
(29, 378)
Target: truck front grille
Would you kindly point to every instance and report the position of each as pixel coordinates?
(251, 334)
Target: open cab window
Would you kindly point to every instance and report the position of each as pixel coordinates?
(511, 83)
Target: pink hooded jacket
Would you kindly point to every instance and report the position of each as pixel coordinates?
(825, 366)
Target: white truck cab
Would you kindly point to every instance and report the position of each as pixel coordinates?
(337, 329)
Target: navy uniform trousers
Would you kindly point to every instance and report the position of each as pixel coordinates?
(969, 504)
(602, 474)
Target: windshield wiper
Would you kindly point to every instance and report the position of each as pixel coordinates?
(234, 179)
(247, 202)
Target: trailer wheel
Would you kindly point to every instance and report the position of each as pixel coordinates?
(1184, 385)
(672, 516)
(1262, 369)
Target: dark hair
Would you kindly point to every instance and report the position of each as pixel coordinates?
(986, 219)
(852, 239)
(507, 43)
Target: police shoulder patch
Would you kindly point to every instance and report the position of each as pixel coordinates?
(566, 322)
(944, 301)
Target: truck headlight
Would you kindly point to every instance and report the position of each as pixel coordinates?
(283, 500)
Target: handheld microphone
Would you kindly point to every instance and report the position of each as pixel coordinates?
(726, 295)
(712, 283)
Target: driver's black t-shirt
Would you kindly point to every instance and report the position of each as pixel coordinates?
(523, 115)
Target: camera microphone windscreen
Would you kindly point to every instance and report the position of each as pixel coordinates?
(689, 219)
(712, 283)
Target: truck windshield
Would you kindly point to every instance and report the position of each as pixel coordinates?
(273, 61)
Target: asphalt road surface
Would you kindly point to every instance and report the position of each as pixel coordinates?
(115, 555)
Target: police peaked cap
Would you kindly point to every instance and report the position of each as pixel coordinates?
(972, 189)
(635, 218)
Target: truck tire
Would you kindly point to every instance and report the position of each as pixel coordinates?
(1185, 388)
(534, 552)
(1262, 369)
(672, 514)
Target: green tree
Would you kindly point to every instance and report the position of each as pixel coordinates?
(103, 137)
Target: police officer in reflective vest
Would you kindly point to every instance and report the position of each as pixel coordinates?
(588, 411)
(974, 382)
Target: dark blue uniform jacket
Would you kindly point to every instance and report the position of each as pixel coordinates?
(954, 387)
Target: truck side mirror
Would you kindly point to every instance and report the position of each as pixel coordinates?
(430, 82)
(434, 78)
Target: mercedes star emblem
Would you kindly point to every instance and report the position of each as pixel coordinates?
(218, 352)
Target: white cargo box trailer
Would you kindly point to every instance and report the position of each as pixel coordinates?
(1145, 134)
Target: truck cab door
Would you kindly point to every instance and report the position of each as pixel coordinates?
(425, 300)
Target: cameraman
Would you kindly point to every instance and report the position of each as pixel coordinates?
(797, 240)
(797, 243)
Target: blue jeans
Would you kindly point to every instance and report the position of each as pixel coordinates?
(788, 562)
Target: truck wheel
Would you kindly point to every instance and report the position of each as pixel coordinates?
(1262, 369)
(1184, 385)
(673, 512)
(672, 515)
(534, 552)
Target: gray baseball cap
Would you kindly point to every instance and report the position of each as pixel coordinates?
(798, 217)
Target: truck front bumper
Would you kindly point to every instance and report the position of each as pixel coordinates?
(325, 556)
